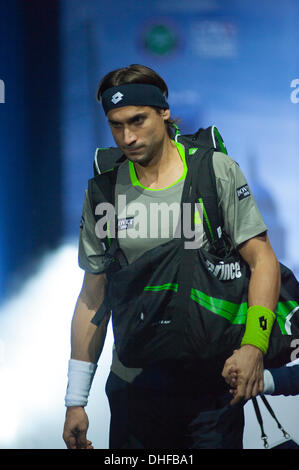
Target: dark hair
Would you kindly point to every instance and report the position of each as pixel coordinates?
(136, 73)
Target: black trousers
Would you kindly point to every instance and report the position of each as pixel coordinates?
(170, 411)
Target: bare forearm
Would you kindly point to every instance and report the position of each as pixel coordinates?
(87, 339)
(264, 284)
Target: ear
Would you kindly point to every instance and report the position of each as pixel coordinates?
(165, 114)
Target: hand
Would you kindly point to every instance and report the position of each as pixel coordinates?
(75, 428)
(244, 372)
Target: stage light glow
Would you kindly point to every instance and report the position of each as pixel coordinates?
(9, 415)
(35, 348)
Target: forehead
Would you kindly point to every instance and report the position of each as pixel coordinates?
(126, 113)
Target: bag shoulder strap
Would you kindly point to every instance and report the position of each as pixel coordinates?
(101, 190)
(264, 437)
(209, 138)
(101, 187)
(200, 148)
(105, 159)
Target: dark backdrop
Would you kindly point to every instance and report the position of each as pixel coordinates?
(30, 176)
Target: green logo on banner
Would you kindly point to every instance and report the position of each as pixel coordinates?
(160, 40)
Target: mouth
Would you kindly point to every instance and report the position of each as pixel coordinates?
(134, 150)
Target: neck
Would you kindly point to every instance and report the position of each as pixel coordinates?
(165, 168)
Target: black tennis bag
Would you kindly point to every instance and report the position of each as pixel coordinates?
(182, 303)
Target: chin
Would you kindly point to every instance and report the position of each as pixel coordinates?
(142, 160)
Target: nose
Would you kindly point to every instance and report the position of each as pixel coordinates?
(129, 136)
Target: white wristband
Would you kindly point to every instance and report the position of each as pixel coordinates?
(80, 377)
(269, 386)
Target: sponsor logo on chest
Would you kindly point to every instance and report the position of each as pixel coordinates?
(243, 192)
(225, 271)
(124, 224)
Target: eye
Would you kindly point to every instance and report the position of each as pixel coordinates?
(115, 125)
(139, 120)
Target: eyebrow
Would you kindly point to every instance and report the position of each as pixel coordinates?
(130, 120)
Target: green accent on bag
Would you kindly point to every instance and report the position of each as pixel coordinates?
(283, 309)
(204, 212)
(220, 141)
(234, 313)
(169, 286)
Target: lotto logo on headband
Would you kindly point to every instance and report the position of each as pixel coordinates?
(117, 97)
(133, 94)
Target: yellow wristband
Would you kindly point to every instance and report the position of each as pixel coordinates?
(258, 328)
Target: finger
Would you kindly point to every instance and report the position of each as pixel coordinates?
(257, 388)
(252, 391)
(71, 443)
(251, 388)
(233, 372)
(234, 376)
(237, 399)
(227, 366)
(239, 393)
(238, 396)
(261, 386)
(232, 382)
(229, 371)
(81, 440)
(89, 445)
